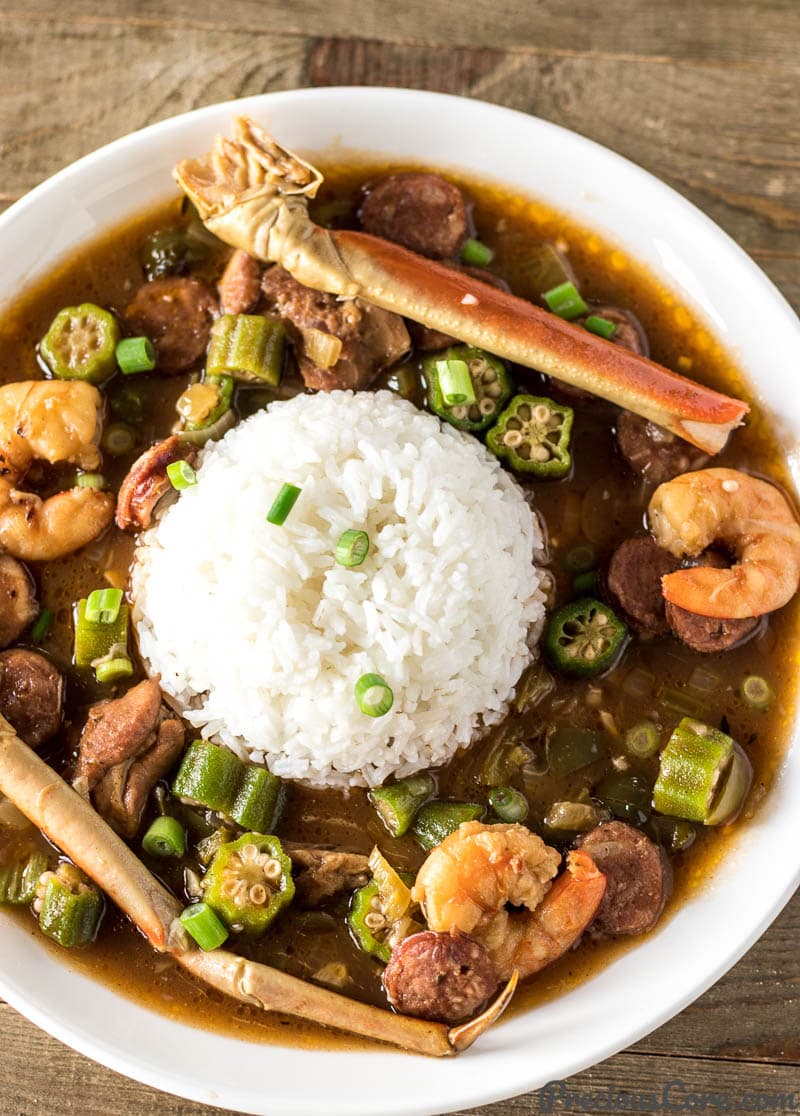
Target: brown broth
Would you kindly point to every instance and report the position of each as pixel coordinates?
(107, 271)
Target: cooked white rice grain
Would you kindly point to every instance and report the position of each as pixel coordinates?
(260, 636)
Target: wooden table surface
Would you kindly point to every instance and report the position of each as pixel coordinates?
(704, 93)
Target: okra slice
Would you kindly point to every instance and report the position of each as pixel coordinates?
(248, 347)
(533, 435)
(491, 385)
(81, 344)
(19, 880)
(212, 777)
(249, 883)
(69, 906)
(367, 922)
(438, 820)
(398, 804)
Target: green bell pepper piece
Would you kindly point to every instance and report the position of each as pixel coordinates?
(438, 820)
(533, 435)
(249, 883)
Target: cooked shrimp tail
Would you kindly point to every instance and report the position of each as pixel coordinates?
(253, 194)
(748, 516)
(57, 421)
(69, 821)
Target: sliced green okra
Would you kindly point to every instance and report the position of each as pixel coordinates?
(212, 777)
(81, 344)
(491, 387)
(533, 435)
(249, 883)
(69, 906)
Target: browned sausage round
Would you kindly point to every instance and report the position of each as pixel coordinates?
(705, 633)
(423, 212)
(654, 453)
(31, 691)
(445, 977)
(17, 599)
(638, 878)
(634, 582)
(176, 315)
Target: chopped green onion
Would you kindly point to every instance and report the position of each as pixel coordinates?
(601, 326)
(455, 383)
(165, 837)
(509, 804)
(102, 606)
(352, 548)
(42, 626)
(118, 439)
(204, 926)
(580, 558)
(112, 670)
(643, 740)
(135, 354)
(181, 475)
(476, 254)
(283, 504)
(757, 692)
(374, 695)
(565, 301)
(90, 480)
(96, 642)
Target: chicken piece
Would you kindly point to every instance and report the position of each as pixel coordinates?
(372, 339)
(126, 746)
(321, 872)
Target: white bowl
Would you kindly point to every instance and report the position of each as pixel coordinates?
(658, 977)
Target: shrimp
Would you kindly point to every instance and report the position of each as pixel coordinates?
(751, 517)
(468, 880)
(253, 194)
(54, 421)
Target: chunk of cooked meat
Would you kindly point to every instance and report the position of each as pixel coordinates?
(240, 286)
(653, 452)
(126, 746)
(147, 482)
(323, 872)
(633, 580)
(176, 314)
(638, 878)
(17, 599)
(372, 339)
(423, 212)
(441, 976)
(31, 695)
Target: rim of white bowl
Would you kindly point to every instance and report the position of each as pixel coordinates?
(599, 1017)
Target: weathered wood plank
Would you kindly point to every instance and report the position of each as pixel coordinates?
(43, 1078)
(731, 32)
(745, 177)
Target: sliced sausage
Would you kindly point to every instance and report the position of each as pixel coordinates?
(423, 212)
(707, 633)
(17, 599)
(176, 314)
(444, 977)
(372, 339)
(147, 481)
(634, 582)
(31, 695)
(638, 878)
(653, 452)
(629, 333)
(126, 746)
(240, 286)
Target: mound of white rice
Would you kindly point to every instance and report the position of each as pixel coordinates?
(260, 636)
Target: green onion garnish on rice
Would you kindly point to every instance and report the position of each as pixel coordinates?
(352, 548)
(283, 504)
(374, 695)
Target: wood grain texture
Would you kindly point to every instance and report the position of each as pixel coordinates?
(703, 94)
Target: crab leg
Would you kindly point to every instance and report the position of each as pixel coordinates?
(253, 194)
(72, 824)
